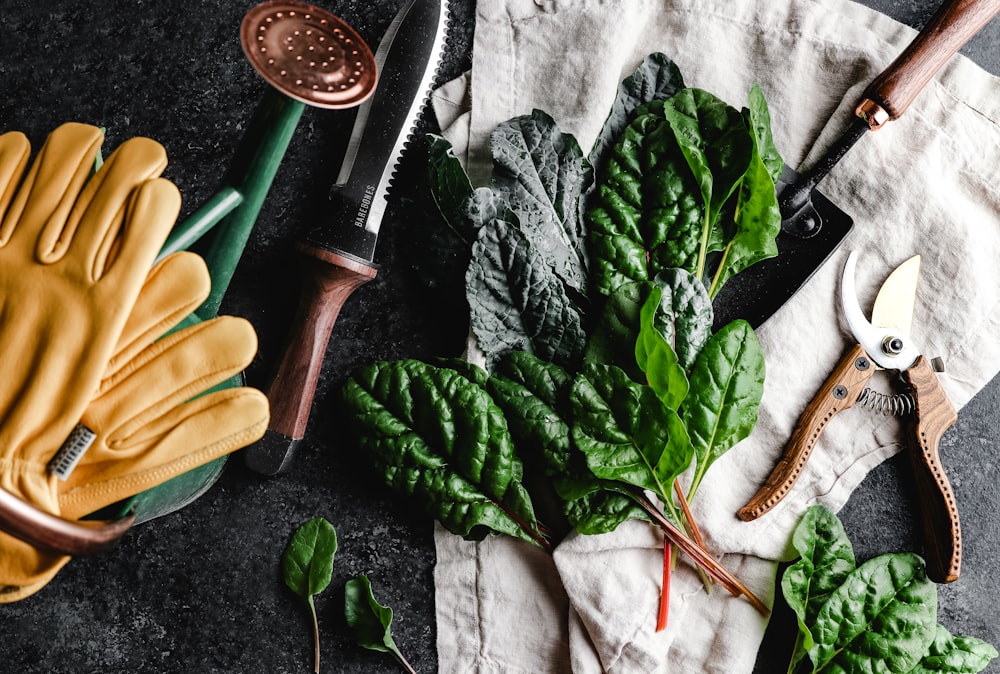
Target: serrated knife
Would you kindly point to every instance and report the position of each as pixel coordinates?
(339, 254)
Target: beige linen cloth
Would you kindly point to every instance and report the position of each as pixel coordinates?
(925, 184)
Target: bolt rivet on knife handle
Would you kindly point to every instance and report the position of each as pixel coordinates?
(329, 279)
(954, 24)
(934, 415)
(839, 393)
(55, 534)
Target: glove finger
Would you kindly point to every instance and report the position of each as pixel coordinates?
(100, 211)
(53, 183)
(14, 152)
(192, 435)
(178, 367)
(175, 287)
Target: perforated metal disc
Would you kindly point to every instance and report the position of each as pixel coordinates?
(309, 54)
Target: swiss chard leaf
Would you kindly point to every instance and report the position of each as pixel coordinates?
(612, 339)
(826, 559)
(713, 139)
(759, 120)
(757, 218)
(438, 436)
(656, 78)
(727, 383)
(958, 655)
(882, 618)
(656, 357)
(627, 434)
(543, 175)
(534, 394)
(647, 212)
(370, 621)
(516, 302)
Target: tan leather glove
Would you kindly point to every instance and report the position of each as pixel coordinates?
(74, 252)
(149, 424)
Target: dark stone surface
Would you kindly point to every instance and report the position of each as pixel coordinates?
(200, 590)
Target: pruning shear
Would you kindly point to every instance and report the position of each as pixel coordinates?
(883, 343)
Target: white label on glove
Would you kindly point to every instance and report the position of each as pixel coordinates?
(65, 460)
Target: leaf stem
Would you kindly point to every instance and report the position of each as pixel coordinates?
(698, 554)
(406, 665)
(315, 621)
(692, 525)
(532, 532)
(661, 617)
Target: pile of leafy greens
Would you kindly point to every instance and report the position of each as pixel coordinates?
(590, 282)
(880, 616)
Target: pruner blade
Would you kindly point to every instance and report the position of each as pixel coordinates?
(886, 337)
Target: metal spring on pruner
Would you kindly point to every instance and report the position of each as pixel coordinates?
(896, 404)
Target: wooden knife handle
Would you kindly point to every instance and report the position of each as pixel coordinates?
(954, 24)
(939, 512)
(329, 279)
(839, 393)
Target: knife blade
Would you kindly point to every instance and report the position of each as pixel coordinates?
(339, 253)
(812, 226)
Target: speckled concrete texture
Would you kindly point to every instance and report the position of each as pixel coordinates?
(200, 590)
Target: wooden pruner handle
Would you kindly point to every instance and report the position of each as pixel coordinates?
(939, 512)
(839, 393)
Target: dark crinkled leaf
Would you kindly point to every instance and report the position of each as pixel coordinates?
(516, 302)
(543, 175)
(656, 78)
(449, 186)
(958, 655)
(826, 557)
(437, 436)
(685, 314)
(533, 393)
(626, 433)
(307, 563)
(881, 619)
(727, 382)
(483, 207)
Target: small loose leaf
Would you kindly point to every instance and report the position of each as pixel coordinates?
(308, 559)
(308, 566)
(370, 621)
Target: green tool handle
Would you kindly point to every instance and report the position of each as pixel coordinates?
(251, 173)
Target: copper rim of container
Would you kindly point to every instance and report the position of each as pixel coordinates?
(308, 54)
